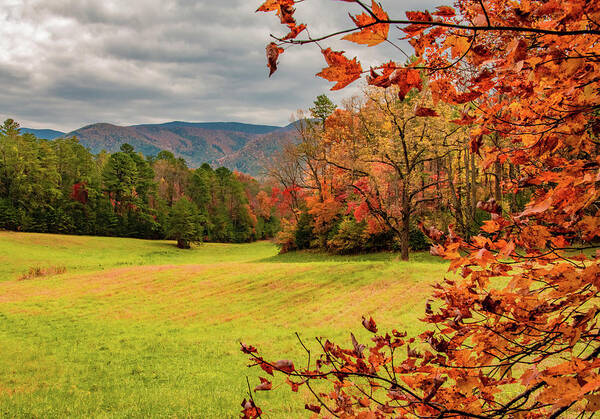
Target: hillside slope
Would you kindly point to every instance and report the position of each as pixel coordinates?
(238, 146)
(218, 143)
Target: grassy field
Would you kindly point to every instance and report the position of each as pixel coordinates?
(139, 328)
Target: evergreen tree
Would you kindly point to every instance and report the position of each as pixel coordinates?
(185, 224)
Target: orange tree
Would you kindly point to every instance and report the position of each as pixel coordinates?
(516, 335)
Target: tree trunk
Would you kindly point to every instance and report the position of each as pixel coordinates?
(183, 244)
(498, 183)
(405, 232)
(455, 195)
(467, 174)
(473, 187)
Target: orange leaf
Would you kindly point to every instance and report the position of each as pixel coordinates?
(370, 35)
(341, 69)
(273, 52)
(537, 207)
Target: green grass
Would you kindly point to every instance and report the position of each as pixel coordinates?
(139, 328)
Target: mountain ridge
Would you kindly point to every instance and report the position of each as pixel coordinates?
(238, 146)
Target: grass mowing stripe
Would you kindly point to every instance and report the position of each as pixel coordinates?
(153, 331)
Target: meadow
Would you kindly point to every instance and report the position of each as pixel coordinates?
(136, 328)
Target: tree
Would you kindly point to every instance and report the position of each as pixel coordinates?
(119, 178)
(323, 107)
(516, 334)
(185, 224)
(385, 150)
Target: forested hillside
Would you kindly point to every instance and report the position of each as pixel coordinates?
(59, 186)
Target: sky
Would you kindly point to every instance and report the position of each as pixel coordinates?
(65, 64)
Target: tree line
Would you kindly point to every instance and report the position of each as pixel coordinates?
(365, 176)
(58, 186)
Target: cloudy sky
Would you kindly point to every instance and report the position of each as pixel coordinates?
(68, 63)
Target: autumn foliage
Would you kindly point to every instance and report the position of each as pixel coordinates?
(515, 332)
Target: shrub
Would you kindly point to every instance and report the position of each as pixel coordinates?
(286, 237)
(417, 240)
(304, 232)
(351, 237)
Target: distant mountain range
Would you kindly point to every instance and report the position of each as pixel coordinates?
(48, 134)
(242, 147)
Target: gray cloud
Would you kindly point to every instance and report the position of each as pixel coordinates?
(67, 63)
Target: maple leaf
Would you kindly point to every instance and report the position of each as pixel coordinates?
(264, 385)
(476, 143)
(537, 207)
(265, 366)
(491, 305)
(422, 111)
(465, 97)
(250, 410)
(369, 324)
(284, 365)
(284, 9)
(248, 349)
(340, 69)
(294, 386)
(274, 5)
(406, 79)
(295, 30)
(444, 11)
(419, 16)
(371, 32)
(383, 79)
(312, 407)
(465, 119)
(273, 52)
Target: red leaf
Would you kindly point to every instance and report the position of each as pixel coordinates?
(421, 111)
(476, 143)
(273, 52)
(312, 407)
(369, 324)
(293, 385)
(284, 365)
(419, 16)
(465, 119)
(266, 367)
(264, 385)
(444, 11)
(295, 31)
(248, 349)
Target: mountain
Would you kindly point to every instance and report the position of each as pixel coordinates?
(238, 146)
(47, 134)
(252, 156)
